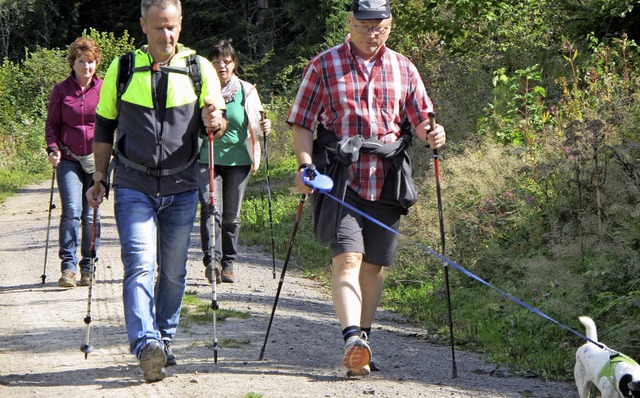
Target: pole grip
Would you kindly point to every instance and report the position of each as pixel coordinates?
(208, 101)
(97, 180)
(432, 125)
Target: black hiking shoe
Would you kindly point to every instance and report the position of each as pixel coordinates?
(171, 359)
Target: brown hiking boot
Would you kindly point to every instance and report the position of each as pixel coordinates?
(228, 276)
(68, 279)
(208, 273)
(85, 280)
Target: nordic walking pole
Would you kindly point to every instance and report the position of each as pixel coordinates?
(436, 164)
(86, 348)
(284, 269)
(212, 243)
(266, 162)
(296, 221)
(46, 246)
(317, 182)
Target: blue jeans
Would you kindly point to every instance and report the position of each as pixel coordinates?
(73, 182)
(230, 185)
(153, 230)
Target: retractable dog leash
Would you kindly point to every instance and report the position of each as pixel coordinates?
(320, 183)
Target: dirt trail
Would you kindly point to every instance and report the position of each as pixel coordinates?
(42, 330)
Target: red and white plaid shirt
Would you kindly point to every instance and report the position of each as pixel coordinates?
(337, 92)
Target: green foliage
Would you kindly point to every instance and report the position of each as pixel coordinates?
(110, 47)
(335, 22)
(493, 25)
(518, 114)
(540, 187)
(604, 17)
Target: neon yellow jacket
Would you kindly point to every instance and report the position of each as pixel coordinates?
(167, 144)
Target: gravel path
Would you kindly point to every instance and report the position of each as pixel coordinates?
(42, 330)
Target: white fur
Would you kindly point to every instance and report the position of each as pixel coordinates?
(590, 360)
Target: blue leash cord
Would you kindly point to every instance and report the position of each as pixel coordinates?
(322, 188)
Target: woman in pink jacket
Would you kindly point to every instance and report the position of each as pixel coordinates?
(69, 136)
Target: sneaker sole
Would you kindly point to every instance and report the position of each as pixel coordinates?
(152, 364)
(357, 357)
(359, 372)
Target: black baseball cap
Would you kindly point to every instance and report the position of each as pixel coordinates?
(371, 9)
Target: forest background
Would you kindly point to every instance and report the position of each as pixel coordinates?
(540, 176)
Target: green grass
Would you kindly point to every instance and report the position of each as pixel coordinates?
(14, 178)
(198, 310)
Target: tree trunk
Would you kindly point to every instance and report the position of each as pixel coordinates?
(261, 15)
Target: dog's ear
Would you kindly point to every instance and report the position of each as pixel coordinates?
(624, 385)
(634, 386)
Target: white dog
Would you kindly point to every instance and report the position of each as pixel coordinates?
(613, 373)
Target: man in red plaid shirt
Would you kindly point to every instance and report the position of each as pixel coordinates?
(359, 94)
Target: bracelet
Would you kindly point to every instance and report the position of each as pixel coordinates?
(303, 166)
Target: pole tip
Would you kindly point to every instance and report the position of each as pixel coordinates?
(86, 348)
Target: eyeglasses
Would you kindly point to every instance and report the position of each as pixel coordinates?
(221, 62)
(366, 29)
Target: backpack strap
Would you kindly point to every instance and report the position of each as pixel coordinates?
(126, 68)
(155, 172)
(192, 70)
(193, 63)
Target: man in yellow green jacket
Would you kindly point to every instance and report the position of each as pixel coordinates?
(158, 119)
